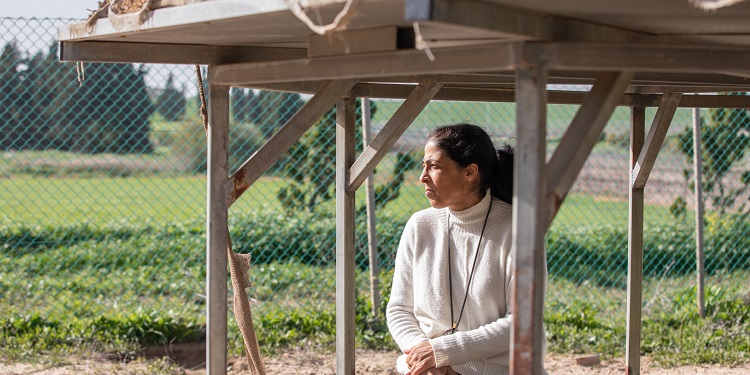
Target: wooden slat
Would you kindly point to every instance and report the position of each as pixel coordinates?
(165, 53)
(291, 132)
(392, 131)
(472, 58)
(656, 134)
(529, 222)
(645, 57)
(345, 265)
(578, 141)
(217, 233)
(635, 249)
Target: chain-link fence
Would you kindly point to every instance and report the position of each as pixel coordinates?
(102, 174)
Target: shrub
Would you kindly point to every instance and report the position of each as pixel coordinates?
(189, 145)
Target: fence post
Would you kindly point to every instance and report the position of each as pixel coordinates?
(699, 255)
(345, 265)
(635, 245)
(372, 232)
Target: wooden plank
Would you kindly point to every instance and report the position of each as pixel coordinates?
(392, 130)
(656, 134)
(345, 265)
(646, 57)
(291, 132)
(519, 23)
(578, 141)
(217, 232)
(165, 53)
(700, 270)
(472, 58)
(350, 42)
(635, 249)
(529, 221)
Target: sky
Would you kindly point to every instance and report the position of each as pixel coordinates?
(47, 8)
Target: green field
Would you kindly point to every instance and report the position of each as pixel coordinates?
(153, 199)
(116, 264)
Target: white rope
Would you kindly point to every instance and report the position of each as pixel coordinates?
(80, 72)
(713, 4)
(338, 23)
(421, 44)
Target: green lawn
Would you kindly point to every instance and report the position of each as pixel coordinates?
(177, 199)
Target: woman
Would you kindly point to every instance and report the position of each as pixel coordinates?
(449, 309)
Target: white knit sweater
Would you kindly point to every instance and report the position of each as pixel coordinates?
(419, 307)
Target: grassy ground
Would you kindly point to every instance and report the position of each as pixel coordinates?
(113, 264)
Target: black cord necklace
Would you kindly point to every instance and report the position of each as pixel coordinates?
(454, 325)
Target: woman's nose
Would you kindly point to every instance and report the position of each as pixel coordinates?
(423, 177)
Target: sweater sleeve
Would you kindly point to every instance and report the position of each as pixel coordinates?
(402, 323)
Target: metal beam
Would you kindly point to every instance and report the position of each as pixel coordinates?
(345, 265)
(165, 53)
(645, 57)
(635, 249)
(656, 134)
(529, 220)
(580, 138)
(291, 132)
(391, 132)
(519, 23)
(217, 228)
(507, 94)
(471, 58)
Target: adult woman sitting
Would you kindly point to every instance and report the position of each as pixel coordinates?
(449, 309)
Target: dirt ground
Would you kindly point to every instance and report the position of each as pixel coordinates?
(306, 362)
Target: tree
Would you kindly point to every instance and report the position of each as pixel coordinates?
(312, 162)
(724, 138)
(11, 63)
(171, 102)
(109, 112)
(276, 108)
(244, 106)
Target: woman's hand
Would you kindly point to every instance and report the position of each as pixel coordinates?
(420, 358)
(445, 370)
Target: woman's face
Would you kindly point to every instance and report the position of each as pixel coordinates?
(446, 183)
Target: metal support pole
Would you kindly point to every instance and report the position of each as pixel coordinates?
(217, 233)
(529, 219)
(372, 232)
(699, 255)
(635, 246)
(345, 287)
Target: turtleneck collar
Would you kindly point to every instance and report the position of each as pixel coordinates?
(474, 213)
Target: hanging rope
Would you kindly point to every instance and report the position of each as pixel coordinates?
(338, 23)
(80, 73)
(713, 4)
(203, 109)
(239, 271)
(420, 43)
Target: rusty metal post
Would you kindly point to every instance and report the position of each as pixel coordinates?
(529, 217)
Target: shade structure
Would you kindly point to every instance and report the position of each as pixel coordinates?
(635, 53)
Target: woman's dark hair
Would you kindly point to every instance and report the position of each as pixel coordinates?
(466, 144)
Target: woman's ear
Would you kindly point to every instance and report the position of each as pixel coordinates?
(471, 172)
